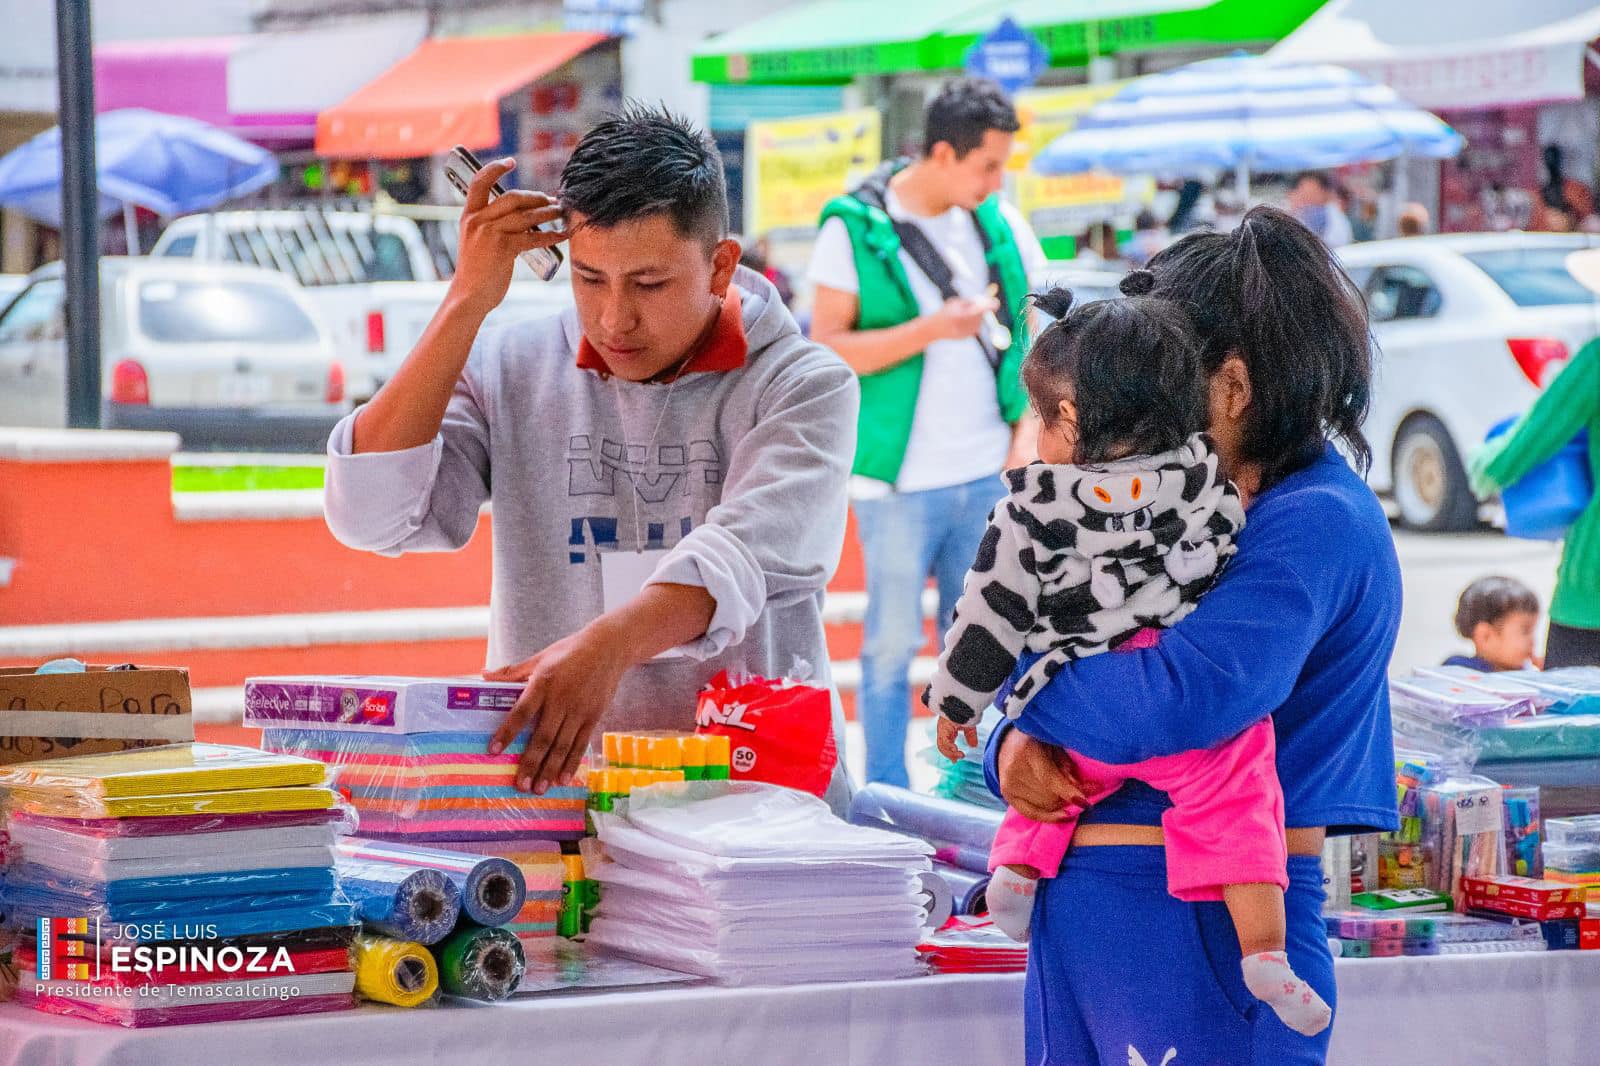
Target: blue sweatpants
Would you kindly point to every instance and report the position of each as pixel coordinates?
(1121, 973)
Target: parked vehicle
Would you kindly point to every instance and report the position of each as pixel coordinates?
(377, 277)
(223, 354)
(1468, 328)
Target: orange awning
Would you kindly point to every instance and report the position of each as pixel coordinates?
(445, 93)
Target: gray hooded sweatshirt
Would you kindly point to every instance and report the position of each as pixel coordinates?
(740, 475)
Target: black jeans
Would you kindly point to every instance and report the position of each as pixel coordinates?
(1570, 646)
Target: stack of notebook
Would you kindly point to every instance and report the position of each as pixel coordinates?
(191, 882)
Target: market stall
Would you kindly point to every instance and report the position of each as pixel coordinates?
(723, 916)
(1532, 1008)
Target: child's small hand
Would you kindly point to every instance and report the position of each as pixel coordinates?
(947, 733)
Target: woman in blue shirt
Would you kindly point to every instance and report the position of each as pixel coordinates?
(1301, 627)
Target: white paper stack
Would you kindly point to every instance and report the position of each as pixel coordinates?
(748, 883)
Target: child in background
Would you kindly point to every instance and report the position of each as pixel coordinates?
(1117, 533)
(1499, 615)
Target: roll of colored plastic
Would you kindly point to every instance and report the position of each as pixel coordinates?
(400, 901)
(399, 972)
(967, 888)
(941, 822)
(480, 963)
(492, 889)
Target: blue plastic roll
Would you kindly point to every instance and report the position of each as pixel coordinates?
(941, 822)
(492, 889)
(401, 901)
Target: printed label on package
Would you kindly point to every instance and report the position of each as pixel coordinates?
(321, 704)
(482, 699)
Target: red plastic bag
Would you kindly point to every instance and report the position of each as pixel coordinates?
(780, 732)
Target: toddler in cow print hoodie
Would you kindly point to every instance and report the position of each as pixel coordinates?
(1115, 535)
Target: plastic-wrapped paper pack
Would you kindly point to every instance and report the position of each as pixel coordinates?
(181, 834)
(964, 780)
(180, 1005)
(640, 940)
(223, 864)
(87, 854)
(237, 918)
(1458, 703)
(1571, 690)
(174, 892)
(1506, 686)
(1547, 737)
(167, 770)
(699, 867)
(241, 801)
(824, 891)
(436, 786)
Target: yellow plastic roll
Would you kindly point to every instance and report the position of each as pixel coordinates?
(394, 971)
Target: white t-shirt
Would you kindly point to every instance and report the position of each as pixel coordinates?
(957, 435)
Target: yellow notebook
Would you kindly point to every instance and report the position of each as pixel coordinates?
(174, 768)
(237, 801)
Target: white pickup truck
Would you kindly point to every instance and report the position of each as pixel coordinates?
(373, 276)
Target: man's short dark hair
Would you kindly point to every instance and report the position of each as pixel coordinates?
(1317, 177)
(646, 161)
(964, 111)
(1491, 599)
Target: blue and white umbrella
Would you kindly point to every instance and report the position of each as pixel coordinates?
(1245, 113)
(168, 164)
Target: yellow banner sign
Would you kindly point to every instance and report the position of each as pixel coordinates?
(1066, 205)
(795, 166)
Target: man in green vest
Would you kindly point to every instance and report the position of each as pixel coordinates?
(920, 277)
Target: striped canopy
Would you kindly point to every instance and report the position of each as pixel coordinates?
(1244, 113)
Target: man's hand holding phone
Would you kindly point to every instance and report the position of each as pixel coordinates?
(495, 229)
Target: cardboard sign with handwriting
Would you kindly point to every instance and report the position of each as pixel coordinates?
(48, 716)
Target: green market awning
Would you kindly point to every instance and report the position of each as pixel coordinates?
(830, 41)
(836, 40)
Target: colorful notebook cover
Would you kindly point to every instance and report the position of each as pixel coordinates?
(173, 768)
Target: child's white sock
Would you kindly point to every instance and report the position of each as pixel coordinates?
(1270, 979)
(1010, 897)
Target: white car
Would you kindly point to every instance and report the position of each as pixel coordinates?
(376, 278)
(1468, 328)
(224, 355)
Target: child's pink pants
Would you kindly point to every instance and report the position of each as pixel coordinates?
(1225, 826)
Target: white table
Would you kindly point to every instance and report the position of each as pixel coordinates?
(1494, 1010)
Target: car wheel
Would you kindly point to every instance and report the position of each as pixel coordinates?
(1430, 484)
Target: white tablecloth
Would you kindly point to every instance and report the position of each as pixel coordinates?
(1495, 1010)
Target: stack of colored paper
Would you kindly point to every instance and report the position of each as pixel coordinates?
(183, 853)
(435, 786)
(748, 883)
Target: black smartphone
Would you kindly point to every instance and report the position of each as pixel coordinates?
(460, 167)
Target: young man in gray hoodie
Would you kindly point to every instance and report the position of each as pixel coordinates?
(667, 460)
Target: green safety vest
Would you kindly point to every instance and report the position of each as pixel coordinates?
(889, 397)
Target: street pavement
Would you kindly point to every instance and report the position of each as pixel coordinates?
(1435, 568)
